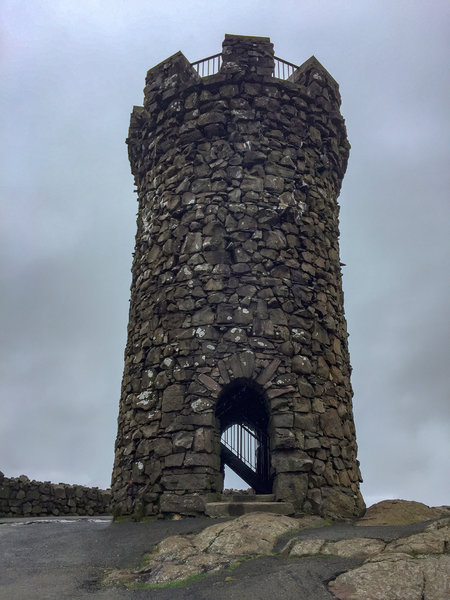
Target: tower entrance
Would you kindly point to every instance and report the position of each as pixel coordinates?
(243, 421)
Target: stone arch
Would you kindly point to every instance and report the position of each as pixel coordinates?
(242, 408)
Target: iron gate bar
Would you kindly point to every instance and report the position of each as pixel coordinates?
(244, 443)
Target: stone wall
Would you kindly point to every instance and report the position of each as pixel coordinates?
(236, 279)
(20, 497)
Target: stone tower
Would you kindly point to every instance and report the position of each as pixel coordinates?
(236, 321)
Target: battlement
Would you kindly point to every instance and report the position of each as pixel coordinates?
(246, 57)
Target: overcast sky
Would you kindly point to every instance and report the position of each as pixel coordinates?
(71, 72)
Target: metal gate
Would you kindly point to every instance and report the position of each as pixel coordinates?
(246, 451)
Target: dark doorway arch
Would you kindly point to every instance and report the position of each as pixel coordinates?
(243, 422)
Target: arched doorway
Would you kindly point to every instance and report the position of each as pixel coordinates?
(243, 422)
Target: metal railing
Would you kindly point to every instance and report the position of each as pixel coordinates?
(283, 68)
(208, 66)
(243, 442)
(211, 65)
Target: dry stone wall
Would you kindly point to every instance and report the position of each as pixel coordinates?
(20, 497)
(236, 276)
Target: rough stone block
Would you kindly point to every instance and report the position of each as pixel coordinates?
(291, 461)
(291, 487)
(187, 504)
(331, 423)
(173, 398)
(284, 439)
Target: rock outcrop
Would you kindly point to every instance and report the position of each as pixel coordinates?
(180, 557)
(401, 512)
(412, 568)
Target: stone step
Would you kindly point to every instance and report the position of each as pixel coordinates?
(248, 498)
(236, 509)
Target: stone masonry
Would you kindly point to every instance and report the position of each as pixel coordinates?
(20, 497)
(236, 282)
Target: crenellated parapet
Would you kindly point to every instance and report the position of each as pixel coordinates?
(310, 88)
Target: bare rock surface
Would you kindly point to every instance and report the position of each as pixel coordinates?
(359, 547)
(401, 512)
(386, 569)
(254, 533)
(416, 567)
(396, 579)
(52, 559)
(179, 557)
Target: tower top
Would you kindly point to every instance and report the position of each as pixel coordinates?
(243, 57)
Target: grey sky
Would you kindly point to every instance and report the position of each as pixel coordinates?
(71, 72)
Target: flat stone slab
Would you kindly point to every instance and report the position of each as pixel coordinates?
(249, 498)
(236, 509)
